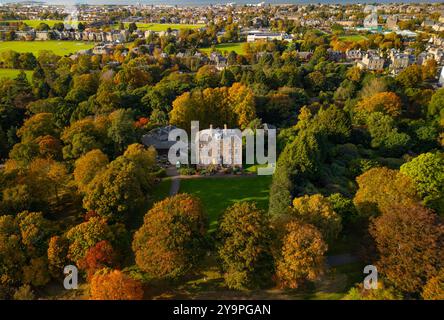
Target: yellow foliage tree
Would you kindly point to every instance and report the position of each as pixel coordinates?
(317, 210)
(88, 166)
(382, 187)
(233, 106)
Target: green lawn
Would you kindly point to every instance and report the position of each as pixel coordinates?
(219, 193)
(163, 26)
(353, 37)
(12, 73)
(35, 23)
(140, 25)
(236, 47)
(60, 48)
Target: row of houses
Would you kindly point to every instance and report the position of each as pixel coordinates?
(88, 35)
(395, 61)
(112, 36)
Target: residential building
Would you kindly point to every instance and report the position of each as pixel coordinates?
(371, 62)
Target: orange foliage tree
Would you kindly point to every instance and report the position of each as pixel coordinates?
(98, 257)
(386, 102)
(434, 288)
(171, 239)
(409, 241)
(301, 257)
(115, 285)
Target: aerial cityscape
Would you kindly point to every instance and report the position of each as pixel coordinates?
(241, 150)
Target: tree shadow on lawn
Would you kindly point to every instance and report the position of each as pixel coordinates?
(208, 283)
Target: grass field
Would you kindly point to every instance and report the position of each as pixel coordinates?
(35, 23)
(219, 193)
(353, 37)
(12, 73)
(60, 48)
(236, 47)
(164, 26)
(140, 25)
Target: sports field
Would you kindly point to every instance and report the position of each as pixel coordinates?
(236, 47)
(165, 26)
(60, 48)
(353, 38)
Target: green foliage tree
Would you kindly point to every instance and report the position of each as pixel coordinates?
(245, 246)
(427, 173)
(86, 235)
(381, 293)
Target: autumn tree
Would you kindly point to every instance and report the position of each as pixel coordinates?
(386, 102)
(88, 166)
(38, 186)
(300, 257)
(317, 211)
(207, 76)
(85, 135)
(86, 235)
(171, 239)
(115, 285)
(36, 273)
(409, 241)
(49, 147)
(233, 106)
(429, 69)
(57, 255)
(38, 125)
(378, 188)
(119, 190)
(244, 246)
(23, 245)
(434, 288)
(12, 256)
(99, 256)
(354, 74)
(24, 293)
(411, 76)
(137, 73)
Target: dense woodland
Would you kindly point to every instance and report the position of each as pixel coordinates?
(360, 154)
